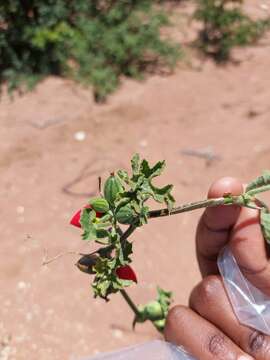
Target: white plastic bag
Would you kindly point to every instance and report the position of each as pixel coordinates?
(250, 305)
(153, 350)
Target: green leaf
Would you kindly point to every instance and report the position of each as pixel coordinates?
(123, 252)
(123, 175)
(86, 220)
(103, 287)
(135, 164)
(262, 180)
(141, 189)
(165, 300)
(156, 170)
(121, 284)
(265, 224)
(102, 233)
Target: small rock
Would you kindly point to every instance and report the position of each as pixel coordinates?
(20, 210)
(29, 316)
(23, 285)
(118, 334)
(264, 7)
(143, 143)
(80, 135)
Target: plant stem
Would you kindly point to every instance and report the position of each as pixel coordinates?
(197, 205)
(127, 233)
(258, 190)
(225, 200)
(124, 235)
(130, 302)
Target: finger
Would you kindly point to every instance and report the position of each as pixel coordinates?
(215, 224)
(209, 299)
(199, 337)
(249, 249)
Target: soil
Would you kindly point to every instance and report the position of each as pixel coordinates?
(206, 121)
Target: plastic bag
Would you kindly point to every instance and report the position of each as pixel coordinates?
(250, 305)
(153, 350)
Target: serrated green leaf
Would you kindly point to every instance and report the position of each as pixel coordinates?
(86, 221)
(123, 175)
(121, 284)
(142, 189)
(112, 264)
(165, 299)
(102, 233)
(135, 164)
(156, 170)
(103, 287)
(265, 224)
(262, 180)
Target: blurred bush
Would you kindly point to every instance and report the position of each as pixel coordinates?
(225, 25)
(94, 42)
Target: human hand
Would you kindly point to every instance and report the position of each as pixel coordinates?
(209, 329)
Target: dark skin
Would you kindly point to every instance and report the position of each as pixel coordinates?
(208, 328)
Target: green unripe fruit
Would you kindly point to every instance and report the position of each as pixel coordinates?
(112, 188)
(154, 311)
(99, 205)
(125, 215)
(160, 324)
(142, 316)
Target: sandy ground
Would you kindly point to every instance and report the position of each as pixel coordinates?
(47, 312)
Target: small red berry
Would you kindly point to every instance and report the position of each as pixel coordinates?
(126, 273)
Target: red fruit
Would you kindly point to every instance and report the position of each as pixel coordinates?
(75, 221)
(126, 273)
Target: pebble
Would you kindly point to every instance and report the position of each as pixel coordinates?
(143, 143)
(118, 334)
(20, 210)
(23, 285)
(80, 135)
(264, 6)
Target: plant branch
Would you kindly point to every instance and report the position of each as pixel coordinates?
(127, 233)
(225, 200)
(258, 190)
(130, 303)
(190, 206)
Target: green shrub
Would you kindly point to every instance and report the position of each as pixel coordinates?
(225, 26)
(94, 42)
